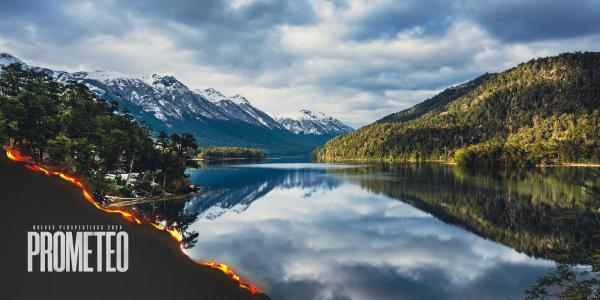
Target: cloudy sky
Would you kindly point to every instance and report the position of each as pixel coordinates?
(356, 60)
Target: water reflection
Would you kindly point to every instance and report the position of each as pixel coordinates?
(305, 231)
(235, 188)
(539, 212)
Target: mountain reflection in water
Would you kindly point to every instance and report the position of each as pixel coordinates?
(314, 231)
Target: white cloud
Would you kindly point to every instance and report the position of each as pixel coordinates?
(309, 60)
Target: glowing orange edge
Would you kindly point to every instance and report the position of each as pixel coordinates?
(15, 155)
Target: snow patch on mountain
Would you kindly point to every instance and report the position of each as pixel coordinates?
(239, 108)
(163, 96)
(169, 100)
(99, 75)
(211, 94)
(239, 100)
(7, 59)
(317, 123)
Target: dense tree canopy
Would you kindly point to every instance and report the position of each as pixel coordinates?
(225, 153)
(540, 112)
(63, 125)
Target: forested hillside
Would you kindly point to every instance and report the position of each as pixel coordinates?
(544, 111)
(67, 128)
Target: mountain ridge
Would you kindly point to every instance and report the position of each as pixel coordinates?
(317, 123)
(544, 111)
(164, 103)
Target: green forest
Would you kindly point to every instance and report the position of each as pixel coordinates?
(545, 111)
(62, 125)
(231, 153)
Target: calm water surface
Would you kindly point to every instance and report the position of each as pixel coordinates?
(321, 231)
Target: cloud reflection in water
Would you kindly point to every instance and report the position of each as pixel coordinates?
(310, 235)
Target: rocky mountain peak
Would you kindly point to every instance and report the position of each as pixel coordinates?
(313, 123)
(7, 59)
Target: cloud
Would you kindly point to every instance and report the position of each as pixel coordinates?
(59, 22)
(533, 20)
(348, 243)
(386, 19)
(239, 38)
(345, 58)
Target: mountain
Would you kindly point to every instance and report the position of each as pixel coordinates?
(307, 122)
(544, 111)
(240, 108)
(7, 59)
(166, 104)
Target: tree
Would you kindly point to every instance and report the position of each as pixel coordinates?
(67, 127)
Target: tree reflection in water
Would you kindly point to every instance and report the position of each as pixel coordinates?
(544, 213)
(571, 281)
(547, 213)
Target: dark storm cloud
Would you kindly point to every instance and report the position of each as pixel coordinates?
(533, 20)
(330, 50)
(246, 37)
(217, 33)
(58, 22)
(512, 20)
(253, 15)
(431, 16)
(241, 38)
(379, 80)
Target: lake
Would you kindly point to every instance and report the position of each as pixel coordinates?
(381, 231)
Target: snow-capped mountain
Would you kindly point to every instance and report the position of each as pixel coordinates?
(165, 103)
(307, 122)
(240, 108)
(166, 98)
(7, 59)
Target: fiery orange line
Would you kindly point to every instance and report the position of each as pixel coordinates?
(178, 236)
(228, 271)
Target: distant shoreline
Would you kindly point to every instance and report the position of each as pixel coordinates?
(570, 164)
(228, 159)
(453, 163)
(216, 154)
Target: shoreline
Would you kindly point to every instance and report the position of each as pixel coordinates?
(452, 163)
(228, 159)
(571, 164)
